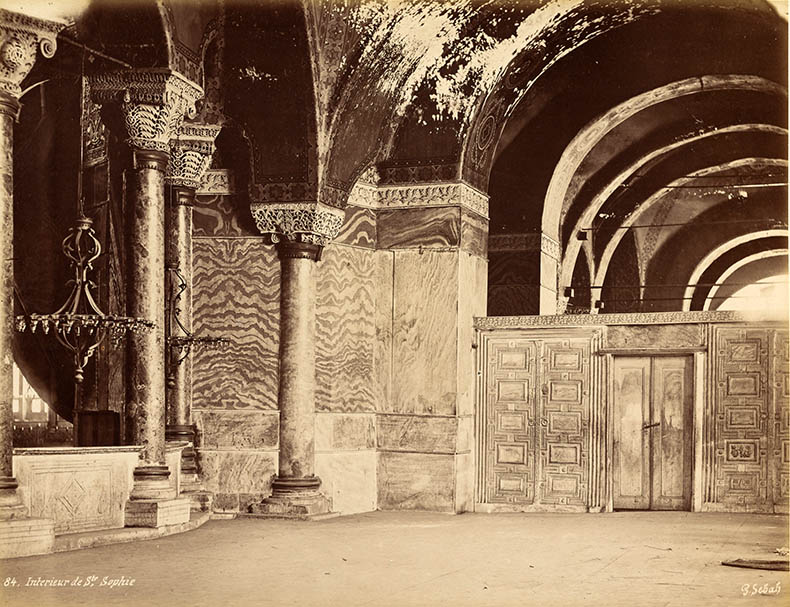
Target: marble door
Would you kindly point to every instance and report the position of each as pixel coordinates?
(652, 456)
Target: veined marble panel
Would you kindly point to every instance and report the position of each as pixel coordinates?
(472, 302)
(382, 350)
(431, 227)
(421, 433)
(348, 479)
(345, 330)
(474, 234)
(236, 295)
(342, 431)
(359, 228)
(218, 429)
(464, 482)
(513, 267)
(237, 477)
(424, 333)
(222, 215)
(416, 481)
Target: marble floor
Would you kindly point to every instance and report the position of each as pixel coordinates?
(417, 558)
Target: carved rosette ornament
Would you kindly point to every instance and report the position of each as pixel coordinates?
(190, 154)
(154, 103)
(311, 223)
(21, 37)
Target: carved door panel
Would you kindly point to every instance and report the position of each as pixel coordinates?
(510, 422)
(652, 458)
(631, 455)
(564, 419)
(742, 413)
(671, 445)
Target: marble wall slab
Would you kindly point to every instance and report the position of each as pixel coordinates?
(472, 302)
(218, 429)
(464, 482)
(343, 432)
(237, 478)
(383, 271)
(236, 295)
(474, 234)
(348, 479)
(359, 228)
(421, 227)
(424, 333)
(345, 330)
(416, 481)
(417, 433)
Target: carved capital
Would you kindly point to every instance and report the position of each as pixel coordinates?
(154, 103)
(21, 37)
(190, 154)
(311, 223)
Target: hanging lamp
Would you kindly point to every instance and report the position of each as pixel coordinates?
(79, 324)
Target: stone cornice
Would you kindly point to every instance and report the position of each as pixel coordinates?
(20, 37)
(419, 196)
(587, 320)
(154, 103)
(532, 241)
(311, 223)
(190, 154)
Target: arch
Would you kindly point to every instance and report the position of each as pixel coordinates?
(735, 271)
(611, 246)
(718, 252)
(584, 141)
(586, 218)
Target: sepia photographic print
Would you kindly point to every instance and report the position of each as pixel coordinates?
(394, 303)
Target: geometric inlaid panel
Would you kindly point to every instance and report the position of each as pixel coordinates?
(564, 421)
(509, 423)
(742, 407)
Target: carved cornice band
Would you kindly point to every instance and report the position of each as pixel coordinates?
(154, 103)
(586, 320)
(20, 37)
(190, 154)
(532, 241)
(298, 222)
(419, 195)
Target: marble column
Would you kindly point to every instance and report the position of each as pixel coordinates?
(21, 37)
(300, 231)
(153, 104)
(190, 157)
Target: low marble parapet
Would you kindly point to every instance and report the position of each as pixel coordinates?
(157, 513)
(79, 488)
(26, 537)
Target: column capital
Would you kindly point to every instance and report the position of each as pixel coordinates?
(311, 223)
(153, 101)
(190, 154)
(21, 37)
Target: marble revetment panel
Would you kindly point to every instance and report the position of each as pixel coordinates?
(236, 295)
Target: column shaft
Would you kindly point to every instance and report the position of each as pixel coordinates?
(297, 360)
(146, 299)
(179, 257)
(8, 108)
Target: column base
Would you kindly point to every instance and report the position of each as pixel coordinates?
(184, 433)
(151, 482)
(293, 498)
(157, 513)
